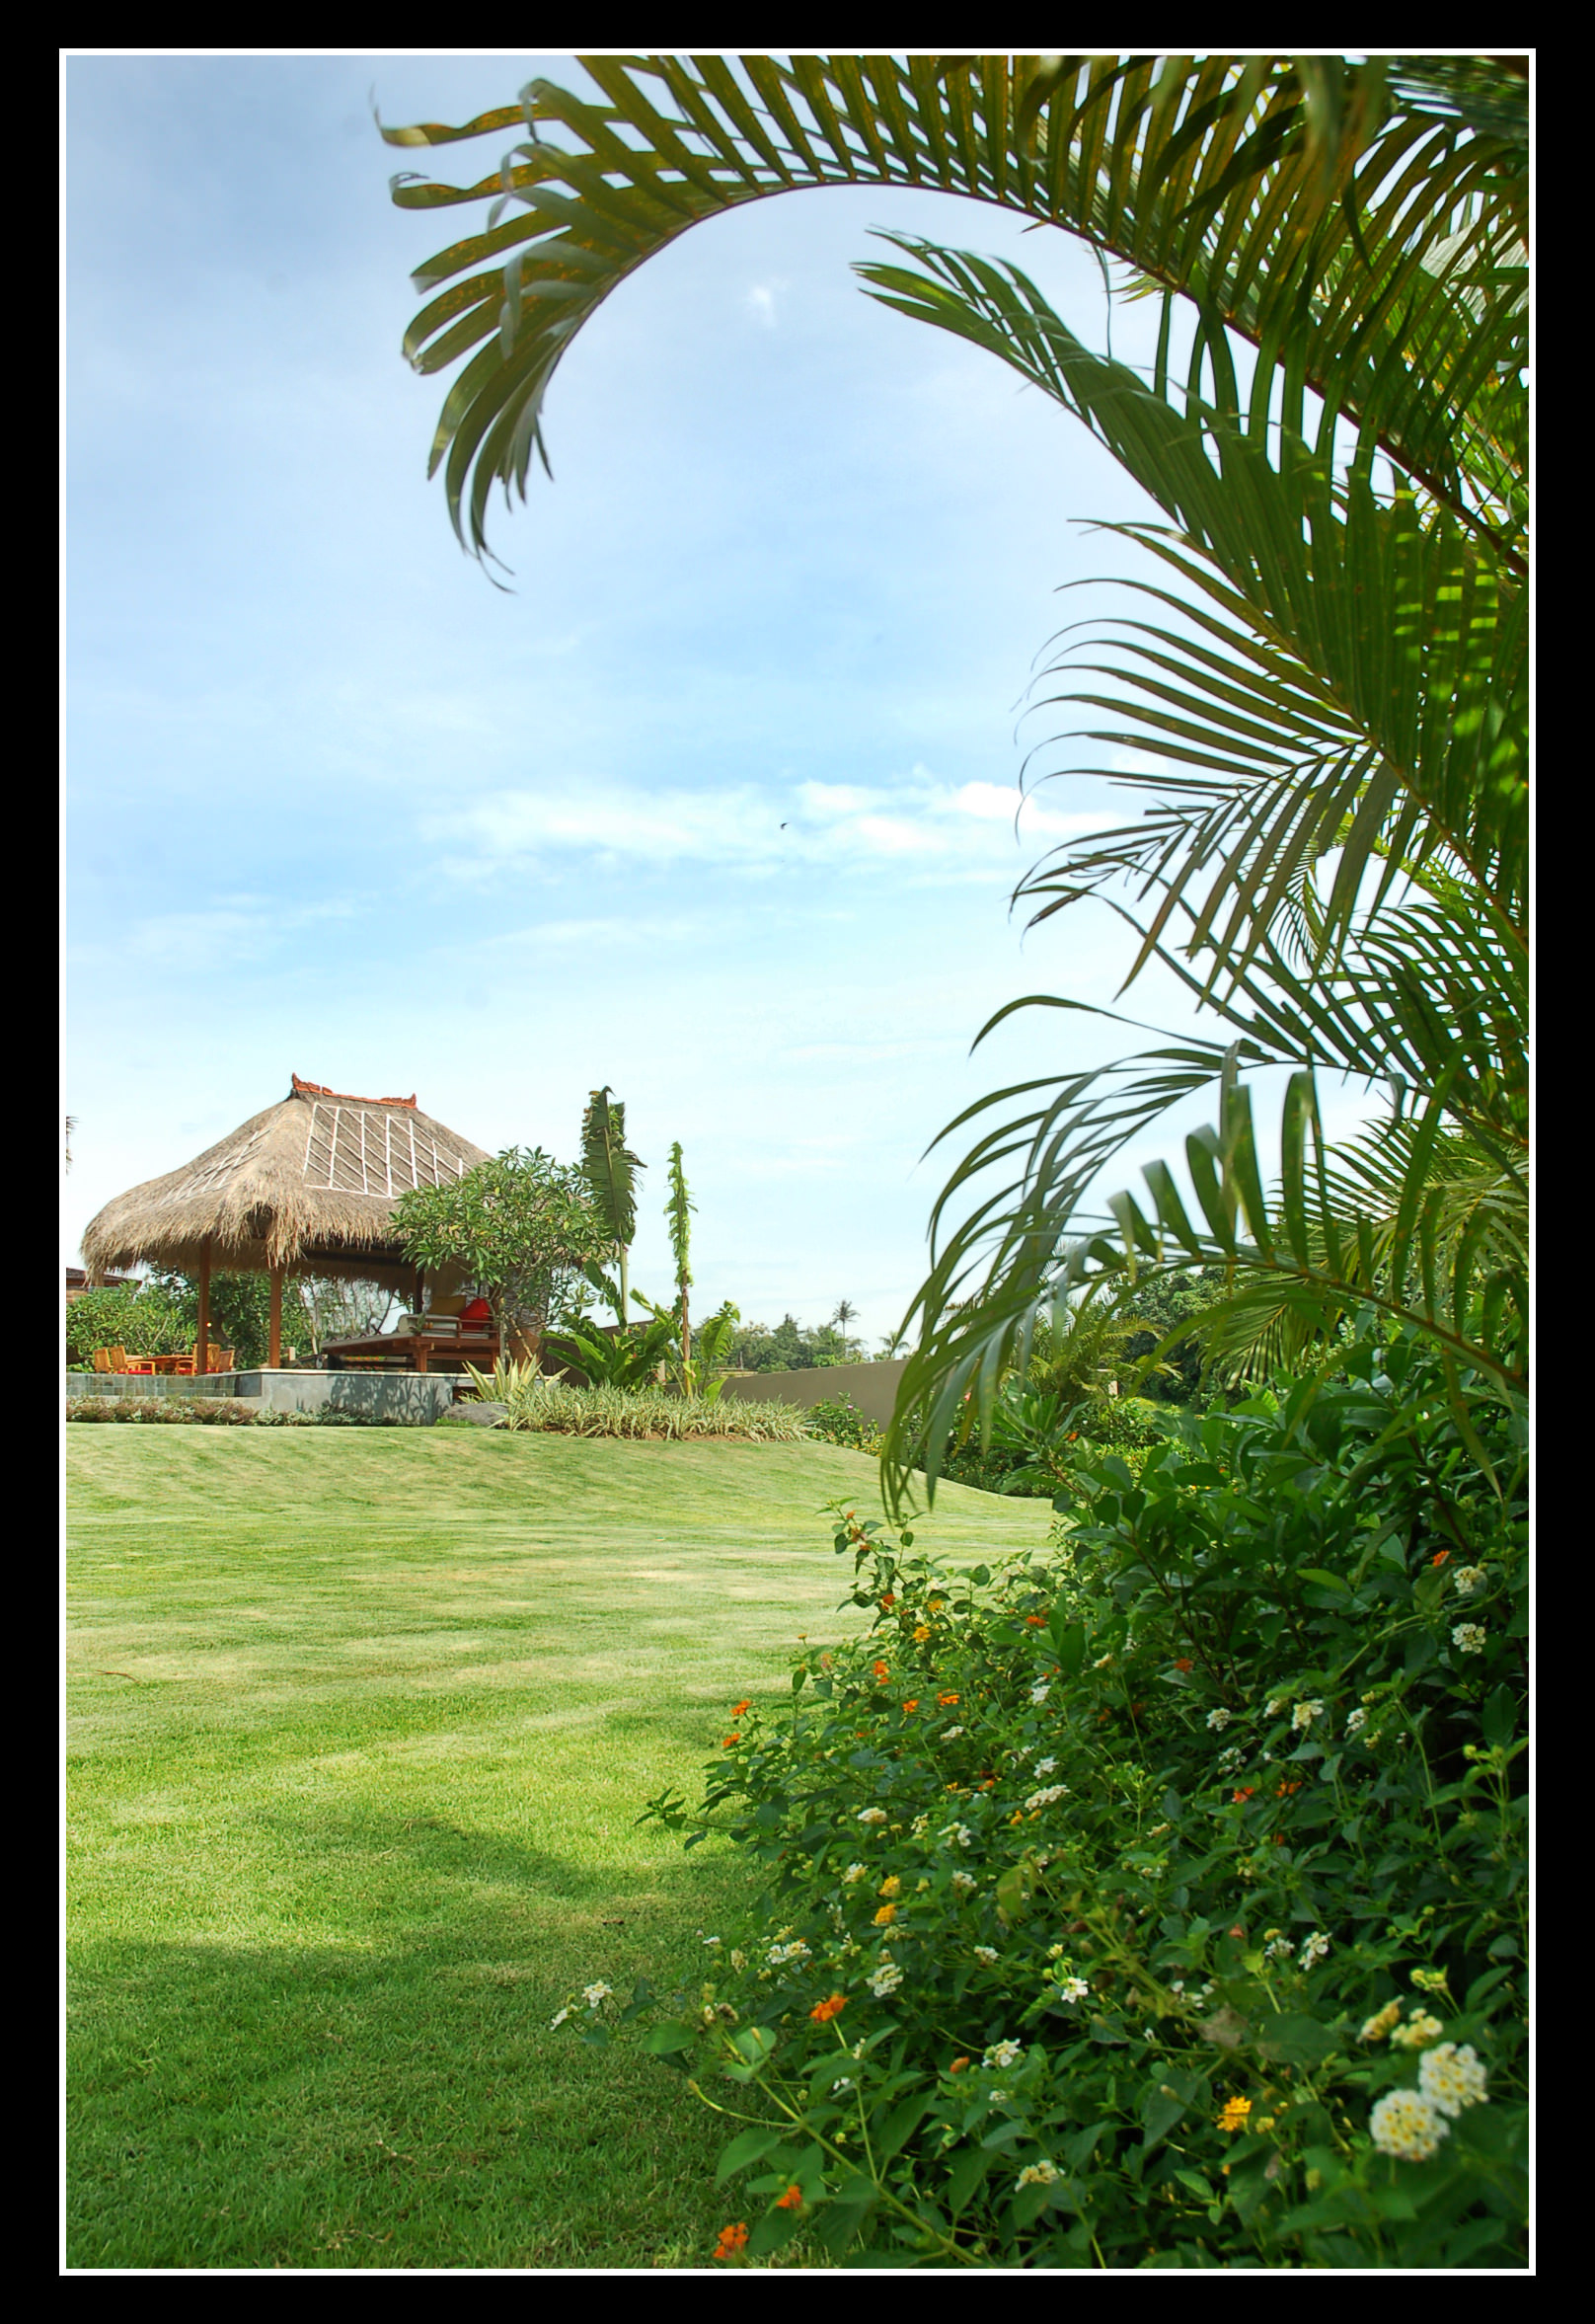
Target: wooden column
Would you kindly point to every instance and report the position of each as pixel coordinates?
(275, 1349)
(201, 1354)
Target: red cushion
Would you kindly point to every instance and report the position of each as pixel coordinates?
(478, 1312)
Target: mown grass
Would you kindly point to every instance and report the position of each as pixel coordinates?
(360, 1728)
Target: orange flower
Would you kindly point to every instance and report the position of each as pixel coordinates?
(1244, 1794)
(823, 2011)
(947, 1698)
(791, 2201)
(890, 1598)
(1440, 1557)
(1185, 1664)
(882, 1670)
(912, 1703)
(960, 2066)
(885, 1916)
(729, 1740)
(1037, 1621)
(746, 1704)
(732, 2240)
(1284, 1788)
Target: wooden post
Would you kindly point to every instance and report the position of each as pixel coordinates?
(274, 1351)
(201, 1354)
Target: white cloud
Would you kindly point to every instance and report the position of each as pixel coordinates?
(761, 301)
(918, 819)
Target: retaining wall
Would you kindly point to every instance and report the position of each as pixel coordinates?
(871, 1386)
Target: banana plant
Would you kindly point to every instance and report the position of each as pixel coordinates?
(1332, 665)
(611, 1170)
(622, 1359)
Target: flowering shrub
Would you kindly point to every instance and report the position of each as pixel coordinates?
(1157, 1900)
(837, 1420)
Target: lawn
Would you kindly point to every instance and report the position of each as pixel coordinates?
(360, 1726)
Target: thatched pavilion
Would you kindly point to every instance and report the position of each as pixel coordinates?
(306, 1187)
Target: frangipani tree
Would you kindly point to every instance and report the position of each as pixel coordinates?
(523, 1225)
(1330, 666)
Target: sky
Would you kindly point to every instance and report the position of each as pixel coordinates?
(714, 803)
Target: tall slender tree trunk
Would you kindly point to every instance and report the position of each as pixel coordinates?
(201, 1354)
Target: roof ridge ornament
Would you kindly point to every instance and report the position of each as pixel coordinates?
(317, 1089)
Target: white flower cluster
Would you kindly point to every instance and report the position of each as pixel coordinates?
(1467, 1578)
(1468, 1638)
(962, 1881)
(1045, 1766)
(559, 2020)
(711, 1942)
(779, 1954)
(1410, 2124)
(1038, 2174)
(854, 1871)
(887, 1978)
(1040, 1693)
(1003, 2054)
(872, 1815)
(1230, 1758)
(1417, 2031)
(593, 1994)
(1220, 1719)
(1277, 1947)
(951, 1734)
(1452, 2078)
(1073, 1989)
(1356, 1721)
(1048, 1796)
(1404, 2124)
(959, 1834)
(1314, 1948)
(1304, 1714)
(986, 1953)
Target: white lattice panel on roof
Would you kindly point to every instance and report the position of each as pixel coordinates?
(360, 1150)
(213, 1173)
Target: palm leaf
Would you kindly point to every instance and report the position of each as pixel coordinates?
(1288, 214)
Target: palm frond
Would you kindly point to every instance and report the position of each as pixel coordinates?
(1292, 205)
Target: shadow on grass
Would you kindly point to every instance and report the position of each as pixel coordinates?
(396, 2097)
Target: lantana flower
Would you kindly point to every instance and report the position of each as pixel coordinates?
(1314, 1948)
(1003, 2054)
(593, 1994)
(1467, 1579)
(1304, 1714)
(1220, 1719)
(1418, 2031)
(1380, 2023)
(1452, 2078)
(872, 1815)
(1404, 2124)
(887, 1979)
(1468, 1638)
(1044, 2173)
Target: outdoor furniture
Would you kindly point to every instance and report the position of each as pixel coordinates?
(414, 1351)
(111, 1360)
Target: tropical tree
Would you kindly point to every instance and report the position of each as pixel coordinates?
(525, 1226)
(1330, 670)
(611, 1171)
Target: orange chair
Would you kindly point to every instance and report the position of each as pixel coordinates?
(101, 1360)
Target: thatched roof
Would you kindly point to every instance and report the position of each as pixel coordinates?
(309, 1185)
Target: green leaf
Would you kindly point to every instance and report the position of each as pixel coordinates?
(747, 2148)
(665, 2038)
(1296, 2039)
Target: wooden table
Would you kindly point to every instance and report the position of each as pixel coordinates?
(160, 1364)
(411, 1350)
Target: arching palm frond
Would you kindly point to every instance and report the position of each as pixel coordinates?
(1292, 204)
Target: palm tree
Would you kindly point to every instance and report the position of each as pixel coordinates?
(1332, 670)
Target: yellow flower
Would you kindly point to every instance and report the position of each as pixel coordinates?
(890, 1884)
(921, 1634)
(885, 1916)
(1234, 2117)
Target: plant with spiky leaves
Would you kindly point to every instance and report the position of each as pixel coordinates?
(611, 1170)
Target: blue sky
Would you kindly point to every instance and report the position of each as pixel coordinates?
(717, 805)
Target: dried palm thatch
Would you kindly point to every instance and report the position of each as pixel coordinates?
(309, 1185)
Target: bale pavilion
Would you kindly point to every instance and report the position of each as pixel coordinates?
(306, 1187)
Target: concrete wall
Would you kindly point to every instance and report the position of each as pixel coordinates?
(152, 1384)
(871, 1386)
(410, 1396)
